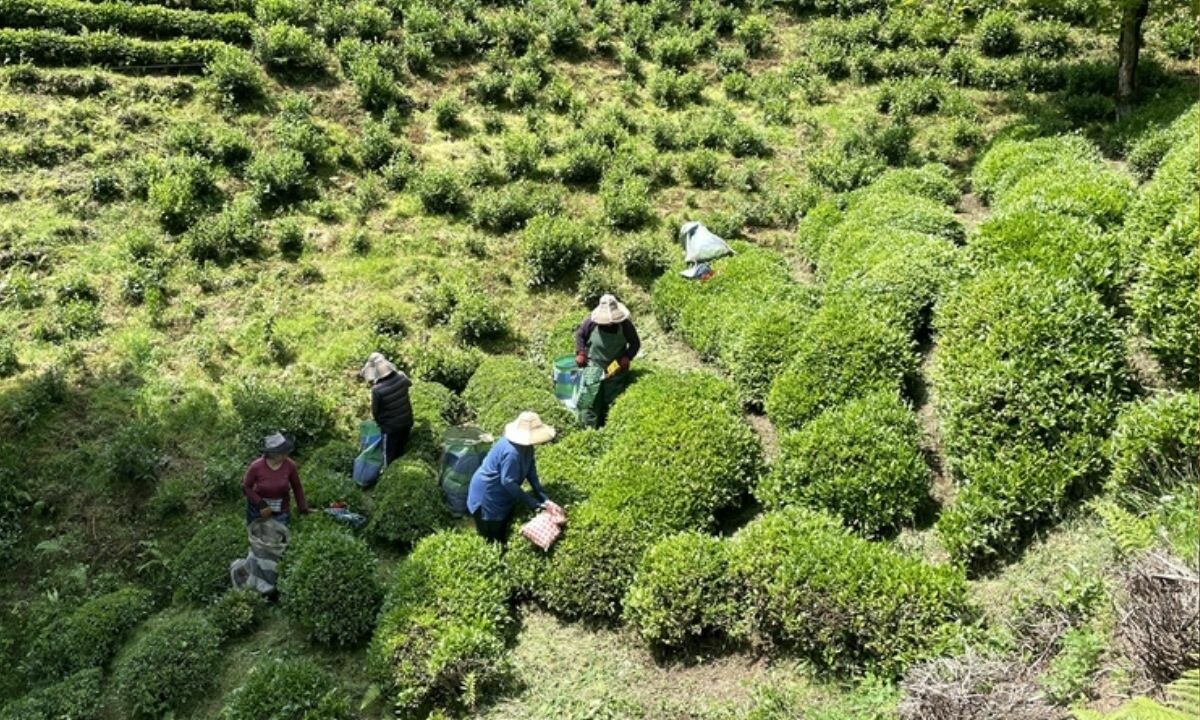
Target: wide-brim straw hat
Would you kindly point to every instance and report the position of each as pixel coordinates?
(377, 366)
(528, 429)
(610, 311)
(276, 444)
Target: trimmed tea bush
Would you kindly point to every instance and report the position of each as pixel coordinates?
(555, 247)
(808, 584)
(441, 635)
(77, 697)
(1093, 191)
(169, 666)
(682, 590)
(503, 387)
(441, 191)
(237, 612)
(764, 343)
(509, 207)
(998, 33)
(87, 637)
(1010, 492)
(685, 429)
(1155, 446)
(202, 566)
(1067, 378)
(280, 177)
(846, 350)
(435, 408)
(407, 504)
(1174, 185)
(293, 689)
(1064, 246)
(1164, 300)
(1008, 162)
(933, 182)
(860, 461)
(328, 586)
(626, 200)
(301, 413)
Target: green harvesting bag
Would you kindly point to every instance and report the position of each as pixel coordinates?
(369, 462)
(588, 388)
(463, 451)
(566, 380)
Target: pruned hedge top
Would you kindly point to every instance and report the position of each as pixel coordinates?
(502, 387)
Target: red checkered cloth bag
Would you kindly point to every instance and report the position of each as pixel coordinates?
(545, 527)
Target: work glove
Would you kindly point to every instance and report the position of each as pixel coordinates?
(581, 359)
(623, 362)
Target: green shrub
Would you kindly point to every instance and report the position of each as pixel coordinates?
(407, 505)
(378, 89)
(441, 636)
(702, 168)
(645, 257)
(280, 177)
(1174, 185)
(672, 89)
(1070, 675)
(860, 461)
(148, 19)
(377, 146)
(1067, 379)
(447, 112)
(87, 637)
(478, 317)
(682, 590)
(328, 586)
(1091, 191)
(553, 248)
(168, 667)
(237, 612)
(10, 364)
(690, 429)
(509, 207)
(1007, 492)
(289, 51)
(844, 351)
(441, 191)
(1163, 300)
(807, 584)
(754, 32)
(1064, 246)
(584, 163)
(503, 387)
(202, 565)
(764, 341)
(263, 408)
(998, 33)
(520, 154)
(234, 233)
(183, 190)
(295, 689)
(103, 48)
(676, 50)
(1155, 445)
(625, 199)
(324, 486)
(235, 78)
(1008, 162)
(77, 697)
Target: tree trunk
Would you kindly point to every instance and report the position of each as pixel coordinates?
(1129, 47)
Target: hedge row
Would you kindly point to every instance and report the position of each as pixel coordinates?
(441, 634)
(503, 387)
(78, 697)
(88, 637)
(677, 452)
(797, 579)
(1155, 446)
(291, 689)
(1161, 252)
(745, 316)
(205, 5)
(1030, 372)
(152, 21)
(51, 48)
(407, 504)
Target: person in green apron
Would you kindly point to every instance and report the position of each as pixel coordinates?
(605, 342)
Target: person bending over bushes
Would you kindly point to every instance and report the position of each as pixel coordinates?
(606, 336)
(390, 405)
(496, 486)
(268, 480)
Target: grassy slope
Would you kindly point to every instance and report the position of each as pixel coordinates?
(177, 365)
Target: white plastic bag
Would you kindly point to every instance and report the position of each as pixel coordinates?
(700, 244)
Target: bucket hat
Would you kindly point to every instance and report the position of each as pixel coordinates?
(377, 366)
(609, 311)
(276, 444)
(528, 429)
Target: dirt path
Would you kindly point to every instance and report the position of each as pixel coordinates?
(931, 431)
(971, 211)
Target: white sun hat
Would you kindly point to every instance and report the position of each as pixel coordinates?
(528, 429)
(377, 366)
(610, 311)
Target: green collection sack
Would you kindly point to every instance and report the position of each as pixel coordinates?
(463, 451)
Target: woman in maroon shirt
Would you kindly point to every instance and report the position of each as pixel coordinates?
(268, 480)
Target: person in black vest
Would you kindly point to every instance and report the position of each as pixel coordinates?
(390, 404)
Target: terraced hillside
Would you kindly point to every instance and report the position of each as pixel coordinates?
(924, 447)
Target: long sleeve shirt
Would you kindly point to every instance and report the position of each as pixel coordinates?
(496, 485)
(633, 343)
(262, 483)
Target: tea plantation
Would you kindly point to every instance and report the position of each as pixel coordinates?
(927, 445)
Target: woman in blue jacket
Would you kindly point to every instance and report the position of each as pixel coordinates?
(496, 486)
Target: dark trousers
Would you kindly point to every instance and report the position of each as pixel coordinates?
(610, 388)
(394, 444)
(491, 530)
